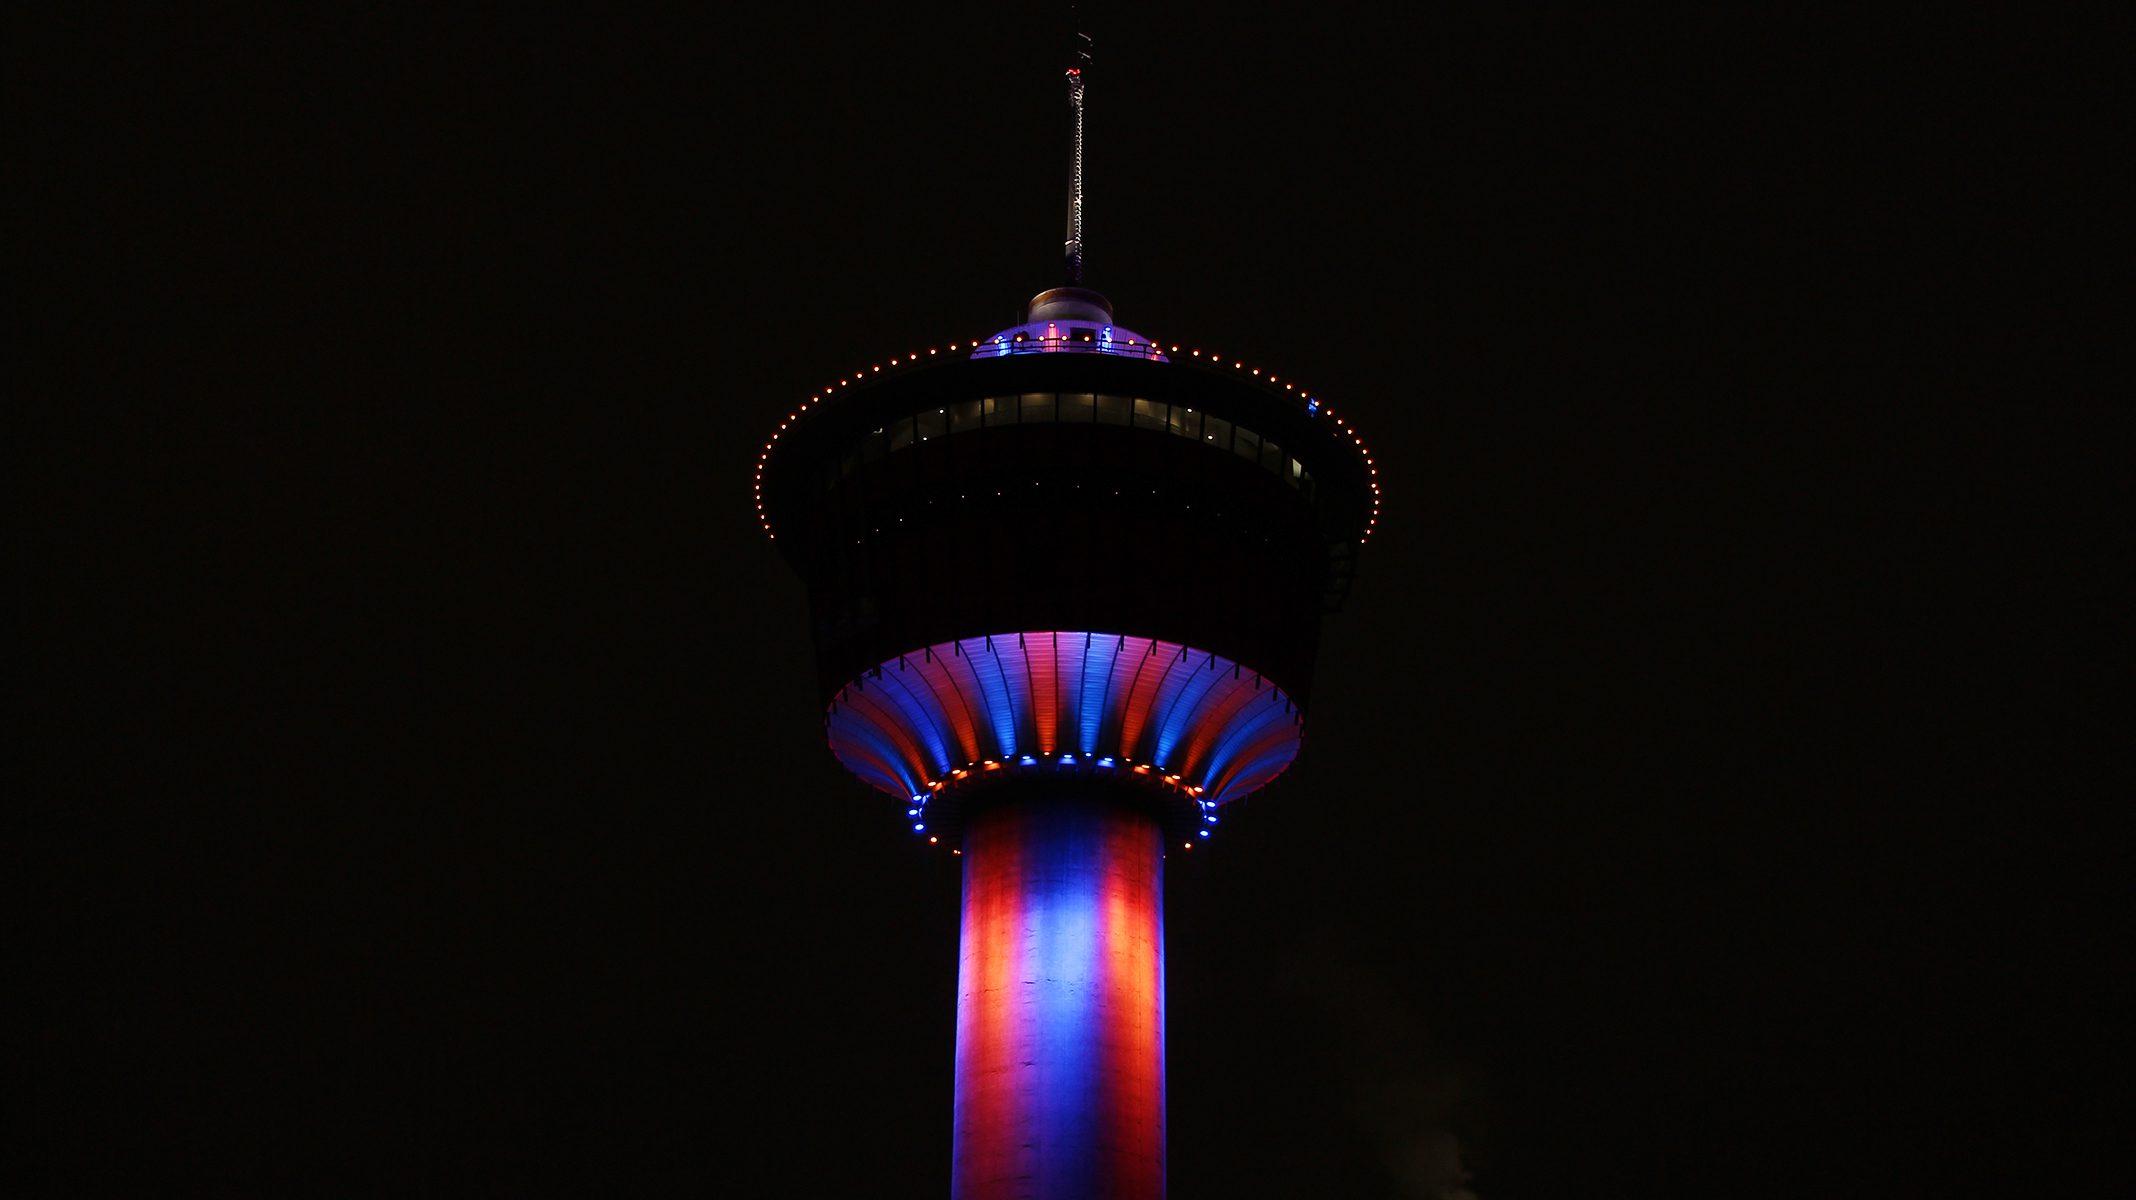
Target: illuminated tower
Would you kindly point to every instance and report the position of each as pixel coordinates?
(1065, 585)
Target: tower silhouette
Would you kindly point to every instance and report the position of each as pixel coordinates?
(1065, 586)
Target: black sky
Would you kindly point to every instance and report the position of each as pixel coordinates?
(429, 793)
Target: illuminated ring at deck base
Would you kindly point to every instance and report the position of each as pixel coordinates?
(950, 810)
(1189, 728)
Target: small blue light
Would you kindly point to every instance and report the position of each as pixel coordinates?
(1105, 762)
(1312, 406)
(1205, 833)
(918, 828)
(1027, 760)
(912, 812)
(1068, 759)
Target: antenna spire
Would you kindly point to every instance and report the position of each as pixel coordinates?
(1078, 65)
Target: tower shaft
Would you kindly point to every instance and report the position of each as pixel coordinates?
(1060, 1004)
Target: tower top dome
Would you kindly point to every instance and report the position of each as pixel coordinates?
(1069, 304)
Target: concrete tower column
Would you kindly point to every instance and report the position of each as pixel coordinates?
(1060, 1004)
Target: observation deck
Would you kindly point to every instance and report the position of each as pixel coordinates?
(1067, 549)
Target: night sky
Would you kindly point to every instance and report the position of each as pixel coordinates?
(1701, 790)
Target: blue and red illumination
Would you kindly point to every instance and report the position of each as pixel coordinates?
(1071, 702)
(1060, 1006)
(1069, 336)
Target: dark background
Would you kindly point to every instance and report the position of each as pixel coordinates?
(1702, 792)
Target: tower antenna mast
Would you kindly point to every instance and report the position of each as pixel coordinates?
(1078, 66)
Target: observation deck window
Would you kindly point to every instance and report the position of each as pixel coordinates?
(1216, 431)
(1045, 408)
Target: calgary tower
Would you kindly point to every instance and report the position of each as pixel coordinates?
(1065, 584)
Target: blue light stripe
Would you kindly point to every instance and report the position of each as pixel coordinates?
(1257, 771)
(1090, 710)
(872, 747)
(1133, 659)
(880, 719)
(1189, 707)
(927, 717)
(1240, 731)
(994, 685)
(1195, 705)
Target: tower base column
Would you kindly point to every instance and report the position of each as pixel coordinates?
(1060, 1004)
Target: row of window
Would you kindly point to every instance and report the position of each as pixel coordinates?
(1053, 408)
